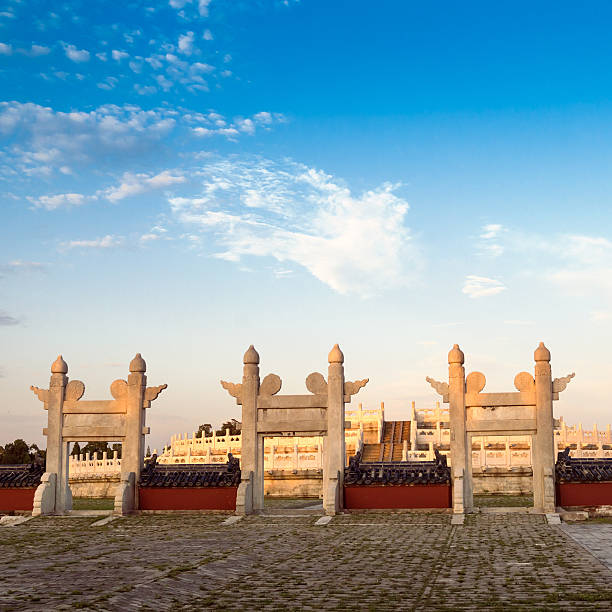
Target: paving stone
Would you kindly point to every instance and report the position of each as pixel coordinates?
(366, 561)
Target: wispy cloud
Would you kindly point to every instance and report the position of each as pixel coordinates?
(355, 244)
(106, 242)
(48, 141)
(489, 239)
(5, 49)
(134, 184)
(60, 200)
(481, 286)
(6, 319)
(213, 124)
(18, 265)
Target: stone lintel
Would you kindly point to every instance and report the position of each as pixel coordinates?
(502, 427)
(309, 427)
(524, 398)
(292, 401)
(94, 407)
(77, 434)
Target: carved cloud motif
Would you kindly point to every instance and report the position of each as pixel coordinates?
(119, 388)
(42, 394)
(559, 384)
(440, 387)
(152, 393)
(351, 388)
(74, 390)
(316, 383)
(270, 385)
(234, 389)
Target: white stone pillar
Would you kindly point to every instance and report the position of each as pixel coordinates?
(334, 458)
(459, 442)
(544, 462)
(57, 461)
(132, 450)
(252, 448)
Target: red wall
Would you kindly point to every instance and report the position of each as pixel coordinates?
(402, 496)
(187, 498)
(584, 494)
(18, 498)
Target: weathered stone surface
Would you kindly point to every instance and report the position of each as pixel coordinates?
(370, 561)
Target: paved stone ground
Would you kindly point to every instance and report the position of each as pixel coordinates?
(370, 561)
(596, 537)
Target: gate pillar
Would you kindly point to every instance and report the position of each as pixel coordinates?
(544, 454)
(333, 470)
(463, 500)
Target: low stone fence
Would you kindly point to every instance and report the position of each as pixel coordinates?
(397, 485)
(18, 485)
(189, 487)
(583, 482)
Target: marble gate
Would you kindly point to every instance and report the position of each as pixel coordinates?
(266, 414)
(528, 412)
(71, 419)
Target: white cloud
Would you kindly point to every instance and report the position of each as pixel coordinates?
(60, 200)
(34, 51)
(215, 124)
(489, 239)
(481, 286)
(5, 49)
(74, 54)
(118, 55)
(185, 43)
(355, 244)
(203, 7)
(134, 184)
(102, 56)
(207, 35)
(106, 242)
(108, 83)
(76, 137)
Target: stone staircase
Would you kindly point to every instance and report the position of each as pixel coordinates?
(390, 449)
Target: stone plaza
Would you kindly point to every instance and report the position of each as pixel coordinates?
(284, 560)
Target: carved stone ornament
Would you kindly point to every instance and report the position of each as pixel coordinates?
(234, 389)
(270, 385)
(559, 384)
(119, 388)
(475, 382)
(351, 388)
(151, 393)
(523, 381)
(316, 383)
(42, 394)
(74, 390)
(440, 387)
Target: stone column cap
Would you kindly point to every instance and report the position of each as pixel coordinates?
(59, 366)
(542, 353)
(456, 355)
(251, 356)
(138, 364)
(335, 355)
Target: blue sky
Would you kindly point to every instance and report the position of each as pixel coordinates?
(184, 178)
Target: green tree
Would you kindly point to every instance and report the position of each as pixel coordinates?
(233, 425)
(204, 430)
(76, 449)
(18, 451)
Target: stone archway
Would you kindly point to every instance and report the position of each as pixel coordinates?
(264, 413)
(525, 412)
